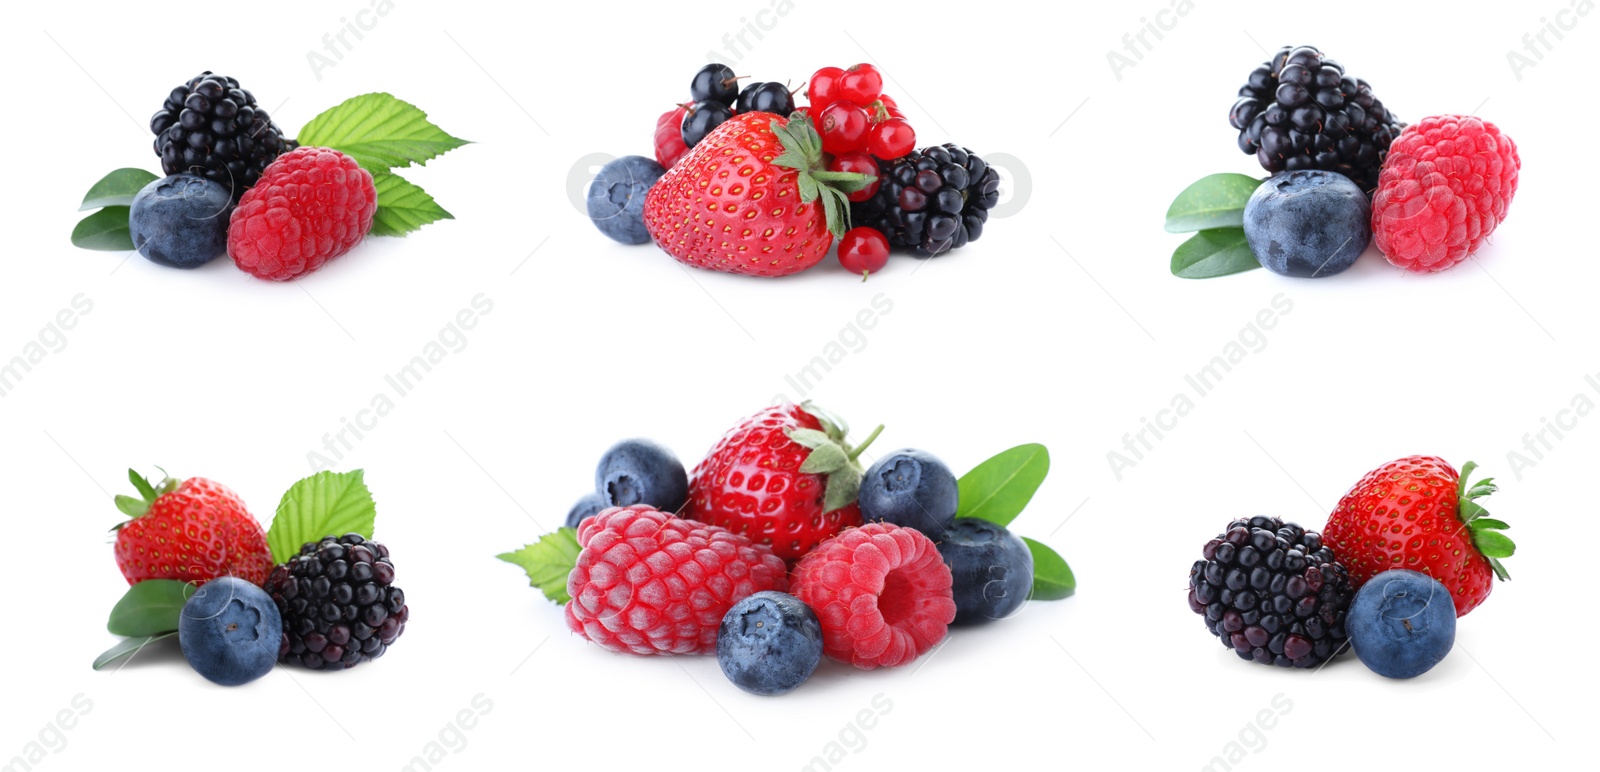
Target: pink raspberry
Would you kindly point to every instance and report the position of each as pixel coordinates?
(882, 593)
(1445, 187)
(647, 582)
(311, 205)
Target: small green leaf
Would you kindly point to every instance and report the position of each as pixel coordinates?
(116, 189)
(1052, 577)
(1493, 544)
(131, 506)
(105, 231)
(810, 438)
(402, 206)
(150, 607)
(826, 458)
(127, 647)
(324, 504)
(1213, 253)
(1490, 523)
(1000, 488)
(844, 486)
(548, 561)
(380, 132)
(1215, 201)
(142, 485)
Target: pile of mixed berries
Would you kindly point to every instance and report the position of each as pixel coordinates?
(847, 156)
(1345, 172)
(1407, 550)
(200, 567)
(779, 549)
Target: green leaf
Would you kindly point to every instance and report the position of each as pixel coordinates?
(1000, 488)
(844, 486)
(116, 189)
(402, 206)
(1052, 577)
(810, 438)
(1490, 523)
(142, 485)
(150, 607)
(1213, 253)
(1215, 201)
(131, 506)
(380, 132)
(548, 561)
(826, 458)
(324, 504)
(1493, 544)
(127, 647)
(105, 230)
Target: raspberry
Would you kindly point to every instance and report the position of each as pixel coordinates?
(311, 205)
(647, 582)
(882, 593)
(1446, 186)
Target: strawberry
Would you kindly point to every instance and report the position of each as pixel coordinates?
(193, 531)
(1417, 513)
(782, 477)
(754, 197)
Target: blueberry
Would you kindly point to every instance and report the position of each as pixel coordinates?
(230, 631)
(616, 197)
(1401, 623)
(769, 643)
(589, 505)
(181, 221)
(714, 82)
(991, 567)
(641, 472)
(1307, 223)
(910, 488)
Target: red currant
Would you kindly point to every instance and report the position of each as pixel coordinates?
(858, 162)
(824, 87)
(863, 250)
(843, 126)
(892, 138)
(861, 84)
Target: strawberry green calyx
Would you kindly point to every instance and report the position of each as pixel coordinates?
(802, 151)
(1485, 530)
(138, 507)
(833, 457)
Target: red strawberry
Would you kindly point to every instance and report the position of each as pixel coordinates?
(193, 531)
(754, 197)
(1417, 513)
(783, 477)
(669, 137)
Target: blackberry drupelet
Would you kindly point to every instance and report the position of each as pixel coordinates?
(931, 200)
(212, 128)
(1273, 593)
(339, 603)
(1301, 111)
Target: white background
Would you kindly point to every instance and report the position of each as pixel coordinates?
(1062, 325)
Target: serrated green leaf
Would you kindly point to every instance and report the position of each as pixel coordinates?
(547, 562)
(999, 489)
(105, 231)
(1052, 577)
(127, 647)
(1213, 201)
(116, 189)
(380, 132)
(1493, 544)
(1212, 253)
(825, 458)
(403, 206)
(324, 504)
(150, 607)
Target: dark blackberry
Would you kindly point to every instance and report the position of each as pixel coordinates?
(1273, 593)
(339, 603)
(211, 127)
(931, 200)
(1299, 110)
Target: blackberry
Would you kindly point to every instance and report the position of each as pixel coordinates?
(931, 200)
(212, 128)
(1273, 593)
(1300, 110)
(338, 602)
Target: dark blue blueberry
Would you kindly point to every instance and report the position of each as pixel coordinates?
(589, 505)
(1401, 623)
(765, 98)
(991, 569)
(181, 221)
(702, 118)
(1308, 223)
(616, 197)
(910, 488)
(230, 631)
(641, 472)
(769, 643)
(715, 82)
